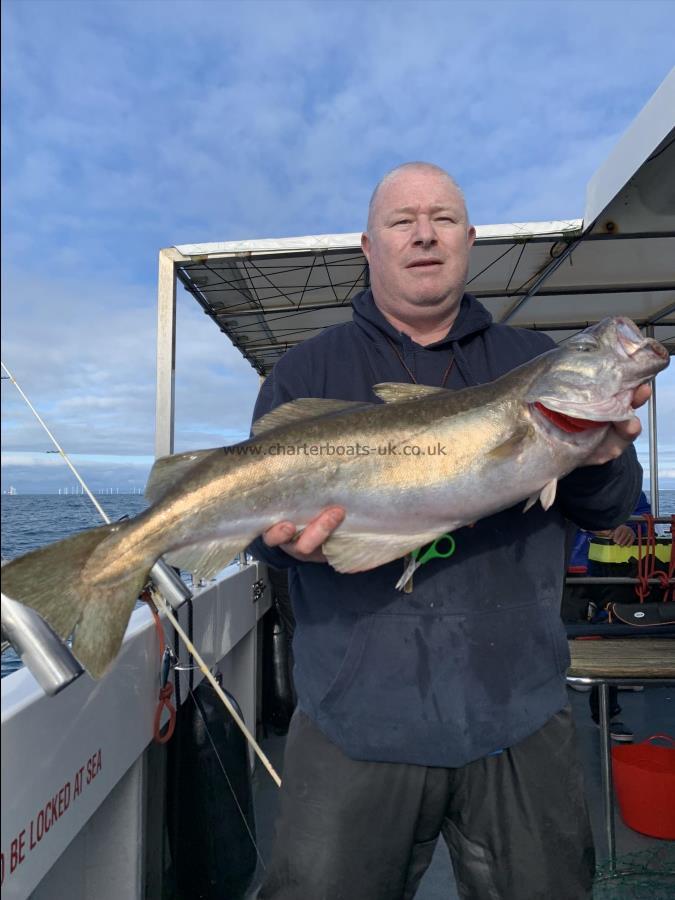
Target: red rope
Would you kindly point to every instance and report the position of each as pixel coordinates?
(166, 691)
(668, 593)
(647, 561)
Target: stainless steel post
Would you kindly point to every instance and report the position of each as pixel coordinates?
(166, 352)
(41, 650)
(653, 443)
(606, 771)
(169, 584)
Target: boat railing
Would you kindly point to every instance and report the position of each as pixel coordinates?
(627, 579)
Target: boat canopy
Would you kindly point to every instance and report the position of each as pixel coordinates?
(558, 276)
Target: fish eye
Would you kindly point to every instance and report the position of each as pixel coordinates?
(583, 344)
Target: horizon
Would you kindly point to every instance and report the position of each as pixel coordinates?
(128, 493)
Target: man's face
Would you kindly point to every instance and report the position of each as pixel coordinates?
(417, 245)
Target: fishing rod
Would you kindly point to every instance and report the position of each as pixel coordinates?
(165, 582)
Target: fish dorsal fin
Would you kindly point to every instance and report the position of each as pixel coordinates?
(206, 559)
(393, 392)
(357, 552)
(304, 408)
(168, 470)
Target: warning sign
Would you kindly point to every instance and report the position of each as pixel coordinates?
(48, 816)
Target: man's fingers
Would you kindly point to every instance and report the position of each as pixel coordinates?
(281, 533)
(312, 537)
(619, 436)
(320, 529)
(628, 430)
(641, 395)
(624, 536)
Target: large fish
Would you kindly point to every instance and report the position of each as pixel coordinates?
(424, 462)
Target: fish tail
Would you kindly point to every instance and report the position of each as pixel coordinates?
(51, 582)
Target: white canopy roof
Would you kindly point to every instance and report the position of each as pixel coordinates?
(558, 276)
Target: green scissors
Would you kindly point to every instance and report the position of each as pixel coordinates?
(432, 551)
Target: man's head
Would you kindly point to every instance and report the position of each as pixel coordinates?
(417, 244)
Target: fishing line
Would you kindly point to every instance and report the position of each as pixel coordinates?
(160, 602)
(227, 778)
(56, 444)
(165, 608)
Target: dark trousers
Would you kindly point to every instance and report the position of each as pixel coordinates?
(516, 824)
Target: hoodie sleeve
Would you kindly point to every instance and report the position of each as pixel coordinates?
(283, 384)
(600, 497)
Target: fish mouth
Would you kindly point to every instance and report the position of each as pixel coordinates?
(630, 342)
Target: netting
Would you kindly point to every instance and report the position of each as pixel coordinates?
(647, 875)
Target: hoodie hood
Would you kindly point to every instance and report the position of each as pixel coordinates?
(471, 319)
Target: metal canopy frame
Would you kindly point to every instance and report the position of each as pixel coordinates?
(558, 276)
(267, 301)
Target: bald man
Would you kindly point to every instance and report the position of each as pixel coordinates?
(443, 711)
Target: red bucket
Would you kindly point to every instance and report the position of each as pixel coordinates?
(644, 778)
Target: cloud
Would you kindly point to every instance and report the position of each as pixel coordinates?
(129, 126)
(89, 370)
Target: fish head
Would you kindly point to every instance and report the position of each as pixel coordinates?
(592, 377)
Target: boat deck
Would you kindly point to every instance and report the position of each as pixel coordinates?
(647, 712)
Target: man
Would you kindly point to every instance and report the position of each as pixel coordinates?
(443, 710)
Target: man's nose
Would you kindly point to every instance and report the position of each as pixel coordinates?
(425, 235)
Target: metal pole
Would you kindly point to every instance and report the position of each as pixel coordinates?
(166, 353)
(606, 771)
(541, 278)
(50, 661)
(653, 443)
(599, 579)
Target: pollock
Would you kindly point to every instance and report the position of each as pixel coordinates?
(423, 462)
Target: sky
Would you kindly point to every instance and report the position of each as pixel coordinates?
(132, 126)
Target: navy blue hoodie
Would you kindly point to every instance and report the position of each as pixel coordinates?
(473, 660)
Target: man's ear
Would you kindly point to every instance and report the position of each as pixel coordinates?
(365, 245)
(471, 235)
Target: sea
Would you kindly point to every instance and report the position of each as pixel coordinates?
(30, 521)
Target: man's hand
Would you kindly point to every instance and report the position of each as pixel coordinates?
(621, 434)
(624, 536)
(307, 548)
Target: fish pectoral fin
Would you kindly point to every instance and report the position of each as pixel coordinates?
(205, 560)
(512, 445)
(168, 470)
(357, 552)
(548, 492)
(393, 392)
(546, 495)
(304, 408)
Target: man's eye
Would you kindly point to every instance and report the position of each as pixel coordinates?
(402, 222)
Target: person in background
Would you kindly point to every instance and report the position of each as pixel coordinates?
(599, 595)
